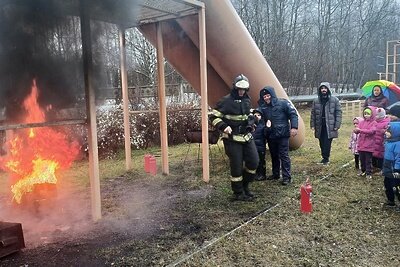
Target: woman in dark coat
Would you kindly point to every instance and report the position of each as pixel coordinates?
(377, 99)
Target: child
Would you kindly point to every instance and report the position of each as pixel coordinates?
(394, 112)
(260, 140)
(353, 144)
(391, 163)
(382, 122)
(366, 129)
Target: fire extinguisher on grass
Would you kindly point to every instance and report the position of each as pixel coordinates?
(306, 197)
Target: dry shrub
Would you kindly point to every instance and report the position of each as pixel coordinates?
(145, 128)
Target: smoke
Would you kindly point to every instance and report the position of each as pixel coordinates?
(41, 40)
(63, 217)
(129, 208)
(30, 48)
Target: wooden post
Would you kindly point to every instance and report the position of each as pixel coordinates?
(352, 110)
(125, 100)
(91, 111)
(344, 104)
(204, 94)
(162, 100)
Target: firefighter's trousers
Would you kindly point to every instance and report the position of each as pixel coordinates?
(239, 153)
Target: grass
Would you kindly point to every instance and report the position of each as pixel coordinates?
(200, 227)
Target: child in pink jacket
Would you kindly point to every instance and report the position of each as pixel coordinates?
(382, 122)
(366, 130)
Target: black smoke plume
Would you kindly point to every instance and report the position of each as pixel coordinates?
(34, 45)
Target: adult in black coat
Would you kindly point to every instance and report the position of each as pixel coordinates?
(326, 119)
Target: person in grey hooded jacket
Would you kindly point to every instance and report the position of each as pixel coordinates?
(326, 118)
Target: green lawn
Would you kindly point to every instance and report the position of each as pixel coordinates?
(199, 226)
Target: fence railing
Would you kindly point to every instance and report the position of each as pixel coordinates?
(351, 109)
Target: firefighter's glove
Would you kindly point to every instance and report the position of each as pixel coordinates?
(396, 175)
(228, 130)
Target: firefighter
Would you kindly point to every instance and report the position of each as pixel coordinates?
(232, 117)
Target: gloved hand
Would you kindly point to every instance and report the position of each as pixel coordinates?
(250, 128)
(228, 130)
(396, 175)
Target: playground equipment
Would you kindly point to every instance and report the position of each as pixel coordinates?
(230, 51)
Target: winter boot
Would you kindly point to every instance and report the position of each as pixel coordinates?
(238, 192)
(390, 204)
(260, 177)
(286, 180)
(246, 189)
(247, 179)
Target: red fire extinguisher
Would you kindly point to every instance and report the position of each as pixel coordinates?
(306, 197)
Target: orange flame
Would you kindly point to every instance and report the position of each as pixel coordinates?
(36, 154)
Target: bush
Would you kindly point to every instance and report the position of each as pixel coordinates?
(145, 128)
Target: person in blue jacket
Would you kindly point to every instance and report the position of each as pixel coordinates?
(281, 123)
(391, 163)
(261, 144)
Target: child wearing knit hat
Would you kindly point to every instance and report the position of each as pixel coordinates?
(366, 129)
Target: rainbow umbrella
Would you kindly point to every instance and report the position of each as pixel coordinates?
(390, 89)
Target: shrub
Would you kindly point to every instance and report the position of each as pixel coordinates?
(144, 130)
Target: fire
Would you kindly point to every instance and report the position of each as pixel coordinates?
(36, 155)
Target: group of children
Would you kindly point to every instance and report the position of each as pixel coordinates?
(367, 140)
(375, 143)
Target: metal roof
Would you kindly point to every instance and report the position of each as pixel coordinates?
(151, 11)
(128, 13)
(131, 13)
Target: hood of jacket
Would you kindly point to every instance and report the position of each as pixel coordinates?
(327, 85)
(267, 90)
(394, 129)
(373, 113)
(358, 119)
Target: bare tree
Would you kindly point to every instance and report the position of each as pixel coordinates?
(306, 42)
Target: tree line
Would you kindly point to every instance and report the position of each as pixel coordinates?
(304, 41)
(308, 41)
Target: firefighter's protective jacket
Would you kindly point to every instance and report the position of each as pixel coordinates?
(234, 111)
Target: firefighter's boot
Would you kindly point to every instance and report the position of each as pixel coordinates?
(246, 189)
(247, 179)
(238, 192)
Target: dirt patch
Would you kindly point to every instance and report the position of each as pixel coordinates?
(135, 212)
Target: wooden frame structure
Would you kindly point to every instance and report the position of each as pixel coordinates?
(127, 14)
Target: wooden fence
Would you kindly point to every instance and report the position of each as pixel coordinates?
(351, 109)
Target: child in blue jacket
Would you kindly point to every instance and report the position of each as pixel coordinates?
(391, 163)
(260, 140)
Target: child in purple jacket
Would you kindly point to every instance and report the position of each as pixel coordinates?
(353, 144)
(366, 130)
(382, 122)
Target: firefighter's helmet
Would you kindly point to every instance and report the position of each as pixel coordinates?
(241, 82)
